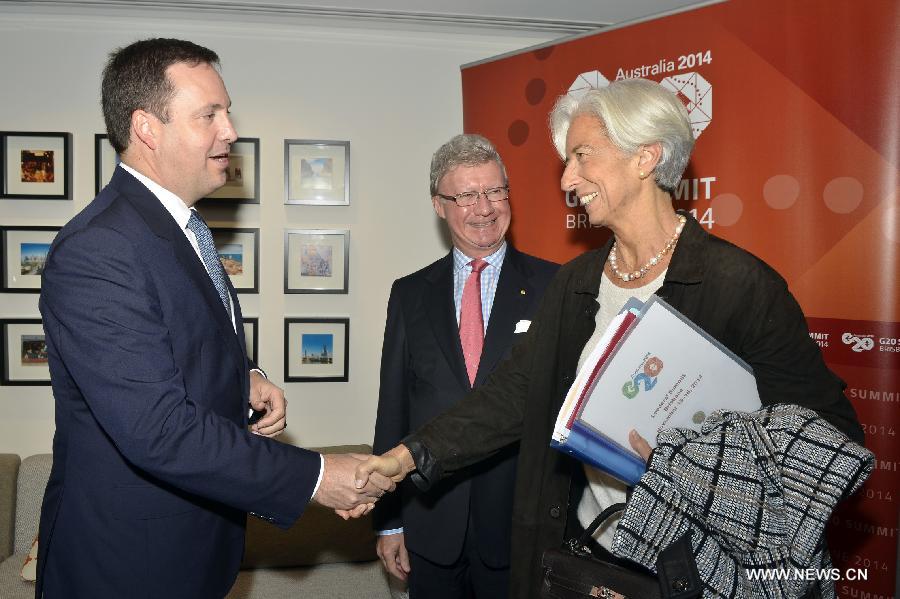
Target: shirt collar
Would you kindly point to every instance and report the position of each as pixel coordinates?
(460, 260)
(171, 202)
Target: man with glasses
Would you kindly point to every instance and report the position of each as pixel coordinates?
(448, 326)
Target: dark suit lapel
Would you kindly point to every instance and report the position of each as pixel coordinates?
(442, 316)
(164, 226)
(514, 295)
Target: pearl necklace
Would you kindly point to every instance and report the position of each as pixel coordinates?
(637, 274)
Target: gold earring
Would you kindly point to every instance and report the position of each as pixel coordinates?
(642, 175)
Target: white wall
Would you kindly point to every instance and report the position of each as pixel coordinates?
(395, 94)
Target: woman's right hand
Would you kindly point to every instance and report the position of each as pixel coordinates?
(640, 445)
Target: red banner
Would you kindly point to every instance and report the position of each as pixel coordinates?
(796, 112)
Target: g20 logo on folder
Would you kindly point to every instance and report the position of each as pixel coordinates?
(652, 368)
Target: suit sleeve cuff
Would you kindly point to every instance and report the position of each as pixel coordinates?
(319, 480)
(393, 531)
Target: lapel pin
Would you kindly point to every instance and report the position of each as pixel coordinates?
(522, 291)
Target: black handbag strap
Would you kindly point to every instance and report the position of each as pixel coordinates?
(588, 533)
(675, 565)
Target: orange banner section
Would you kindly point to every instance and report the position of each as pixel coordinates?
(796, 112)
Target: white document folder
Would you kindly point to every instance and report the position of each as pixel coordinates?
(663, 372)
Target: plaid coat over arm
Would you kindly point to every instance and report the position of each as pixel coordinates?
(755, 491)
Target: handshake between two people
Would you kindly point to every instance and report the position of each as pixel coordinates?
(352, 482)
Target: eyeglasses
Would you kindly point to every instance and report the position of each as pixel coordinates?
(470, 198)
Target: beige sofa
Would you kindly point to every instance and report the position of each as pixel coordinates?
(321, 556)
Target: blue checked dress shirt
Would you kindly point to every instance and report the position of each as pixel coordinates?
(489, 278)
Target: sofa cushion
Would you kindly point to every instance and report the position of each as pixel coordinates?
(334, 581)
(11, 584)
(9, 470)
(319, 537)
(33, 475)
(29, 566)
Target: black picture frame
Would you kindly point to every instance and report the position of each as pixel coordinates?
(31, 182)
(243, 282)
(13, 264)
(305, 360)
(106, 159)
(13, 333)
(239, 188)
(251, 337)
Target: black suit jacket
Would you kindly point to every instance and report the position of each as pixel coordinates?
(153, 467)
(423, 374)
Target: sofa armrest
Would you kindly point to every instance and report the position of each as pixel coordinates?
(33, 475)
(318, 537)
(343, 449)
(9, 474)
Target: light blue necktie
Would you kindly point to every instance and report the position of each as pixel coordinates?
(210, 257)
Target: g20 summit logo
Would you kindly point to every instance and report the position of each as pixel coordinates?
(647, 377)
(691, 88)
(858, 343)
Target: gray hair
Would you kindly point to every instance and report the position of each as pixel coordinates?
(634, 113)
(463, 150)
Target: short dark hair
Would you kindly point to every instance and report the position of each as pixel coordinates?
(135, 79)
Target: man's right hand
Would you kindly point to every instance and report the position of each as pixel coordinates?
(392, 551)
(342, 491)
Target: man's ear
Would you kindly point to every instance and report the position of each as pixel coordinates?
(438, 207)
(145, 128)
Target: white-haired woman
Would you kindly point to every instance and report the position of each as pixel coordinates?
(626, 147)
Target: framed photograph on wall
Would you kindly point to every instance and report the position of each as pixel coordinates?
(35, 166)
(251, 337)
(316, 260)
(241, 175)
(23, 253)
(239, 252)
(317, 172)
(106, 159)
(23, 353)
(316, 349)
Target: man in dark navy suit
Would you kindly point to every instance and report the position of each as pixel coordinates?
(448, 326)
(154, 467)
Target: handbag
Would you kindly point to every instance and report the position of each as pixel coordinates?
(574, 572)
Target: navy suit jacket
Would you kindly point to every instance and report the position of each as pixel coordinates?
(153, 467)
(423, 373)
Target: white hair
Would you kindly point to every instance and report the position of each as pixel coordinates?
(634, 113)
